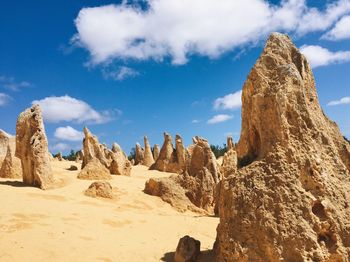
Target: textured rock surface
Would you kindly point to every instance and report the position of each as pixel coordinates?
(229, 161)
(139, 154)
(148, 156)
(8, 168)
(187, 250)
(196, 185)
(170, 159)
(156, 152)
(6, 140)
(289, 200)
(120, 164)
(94, 170)
(32, 148)
(92, 149)
(100, 189)
(165, 155)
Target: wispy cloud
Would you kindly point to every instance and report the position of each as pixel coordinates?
(4, 99)
(219, 119)
(122, 73)
(341, 101)
(340, 31)
(178, 29)
(195, 121)
(320, 56)
(68, 133)
(65, 108)
(11, 83)
(60, 147)
(230, 101)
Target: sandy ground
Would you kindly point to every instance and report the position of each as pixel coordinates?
(65, 225)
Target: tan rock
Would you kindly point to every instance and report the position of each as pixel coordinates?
(100, 189)
(6, 140)
(8, 168)
(32, 148)
(155, 152)
(229, 161)
(120, 164)
(289, 199)
(181, 155)
(79, 156)
(92, 149)
(148, 157)
(59, 156)
(187, 250)
(94, 170)
(195, 187)
(139, 154)
(165, 155)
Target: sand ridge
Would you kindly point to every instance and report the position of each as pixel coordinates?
(63, 224)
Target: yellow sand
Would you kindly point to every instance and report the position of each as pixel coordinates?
(65, 225)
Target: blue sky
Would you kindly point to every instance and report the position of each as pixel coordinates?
(140, 68)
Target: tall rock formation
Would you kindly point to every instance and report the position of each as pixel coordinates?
(6, 140)
(165, 155)
(147, 157)
(120, 164)
(289, 199)
(32, 148)
(139, 154)
(229, 161)
(8, 168)
(156, 152)
(93, 149)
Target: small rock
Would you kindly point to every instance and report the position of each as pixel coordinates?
(187, 250)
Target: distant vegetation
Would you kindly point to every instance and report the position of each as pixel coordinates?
(132, 154)
(218, 150)
(70, 156)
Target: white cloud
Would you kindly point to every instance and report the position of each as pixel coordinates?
(60, 147)
(68, 133)
(195, 121)
(65, 108)
(320, 56)
(4, 99)
(342, 101)
(178, 29)
(122, 73)
(219, 118)
(12, 84)
(230, 101)
(340, 31)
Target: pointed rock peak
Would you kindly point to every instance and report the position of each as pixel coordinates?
(230, 145)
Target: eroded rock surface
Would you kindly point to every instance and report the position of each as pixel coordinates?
(187, 250)
(32, 149)
(289, 199)
(229, 161)
(148, 156)
(120, 164)
(194, 188)
(139, 154)
(94, 170)
(8, 168)
(156, 152)
(100, 189)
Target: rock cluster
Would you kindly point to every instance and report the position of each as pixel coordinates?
(99, 161)
(194, 187)
(171, 159)
(289, 198)
(32, 148)
(187, 250)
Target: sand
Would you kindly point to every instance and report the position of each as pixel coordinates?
(65, 225)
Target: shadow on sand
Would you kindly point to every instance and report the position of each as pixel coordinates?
(14, 183)
(205, 256)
